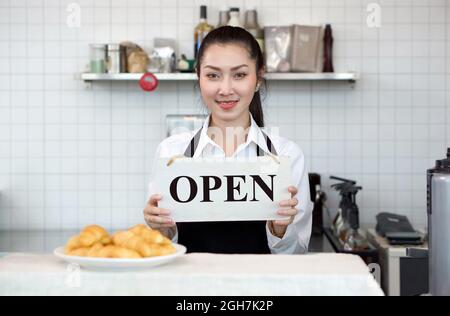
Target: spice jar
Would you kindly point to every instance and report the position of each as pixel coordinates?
(98, 58)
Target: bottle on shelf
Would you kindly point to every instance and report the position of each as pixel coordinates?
(224, 17)
(235, 17)
(328, 50)
(202, 29)
(252, 26)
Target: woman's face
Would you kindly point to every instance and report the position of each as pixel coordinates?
(228, 80)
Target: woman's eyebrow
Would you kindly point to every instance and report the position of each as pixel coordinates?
(234, 68)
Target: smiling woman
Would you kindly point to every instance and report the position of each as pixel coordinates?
(230, 70)
(215, 75)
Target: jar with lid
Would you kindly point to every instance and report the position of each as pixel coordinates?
(98, 58)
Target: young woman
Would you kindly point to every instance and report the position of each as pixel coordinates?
(230, 69)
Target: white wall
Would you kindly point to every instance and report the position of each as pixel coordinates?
(71, 156)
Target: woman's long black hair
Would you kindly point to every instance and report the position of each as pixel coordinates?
(237, 35)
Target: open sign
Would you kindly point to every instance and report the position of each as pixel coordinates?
(224, 189)
(233, 188)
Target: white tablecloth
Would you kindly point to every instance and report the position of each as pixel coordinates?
(195, 275)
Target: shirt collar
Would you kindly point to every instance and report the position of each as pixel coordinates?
(255, 136)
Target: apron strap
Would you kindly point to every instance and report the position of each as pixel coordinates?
(192, 148)
(270, 146)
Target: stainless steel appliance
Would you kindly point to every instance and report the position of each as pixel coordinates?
(438, 226)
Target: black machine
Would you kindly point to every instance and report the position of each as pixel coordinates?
(397, 229)
(318, 197)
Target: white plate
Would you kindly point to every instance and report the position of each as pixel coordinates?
(100, 264)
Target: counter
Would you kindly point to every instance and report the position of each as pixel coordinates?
(194, 275)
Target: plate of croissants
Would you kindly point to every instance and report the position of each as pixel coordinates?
(137, 248)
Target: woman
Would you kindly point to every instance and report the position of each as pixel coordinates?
(230, 69)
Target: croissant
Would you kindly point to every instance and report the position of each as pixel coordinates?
(88, 237)
(80, 252)
(115, 252)
(164, 250)
(150, 235)
(94, 250)
(136, 243)
(129, 240)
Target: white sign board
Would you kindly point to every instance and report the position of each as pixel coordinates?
(224, 189)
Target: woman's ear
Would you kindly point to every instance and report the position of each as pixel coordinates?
(261, 74)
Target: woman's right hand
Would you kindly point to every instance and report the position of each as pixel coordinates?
(156, 217)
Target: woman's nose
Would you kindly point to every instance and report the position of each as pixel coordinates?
(226, 87)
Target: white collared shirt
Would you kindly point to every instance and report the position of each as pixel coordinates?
(298, 234)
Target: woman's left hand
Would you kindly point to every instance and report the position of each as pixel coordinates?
(279, 227)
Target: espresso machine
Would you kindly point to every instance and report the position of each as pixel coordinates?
(439, 227)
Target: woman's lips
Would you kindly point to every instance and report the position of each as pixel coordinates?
(227, 105)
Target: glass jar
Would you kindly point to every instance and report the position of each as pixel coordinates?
(98, 58)
(116, 63)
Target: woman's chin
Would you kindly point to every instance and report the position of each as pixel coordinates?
(230, 115)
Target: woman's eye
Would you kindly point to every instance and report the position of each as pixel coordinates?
(241, 75)
(212, 76)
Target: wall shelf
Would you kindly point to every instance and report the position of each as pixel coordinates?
(349, 77)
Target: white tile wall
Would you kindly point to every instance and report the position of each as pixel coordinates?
(70, 156)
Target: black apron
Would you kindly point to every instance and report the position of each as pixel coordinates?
(225, 237)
